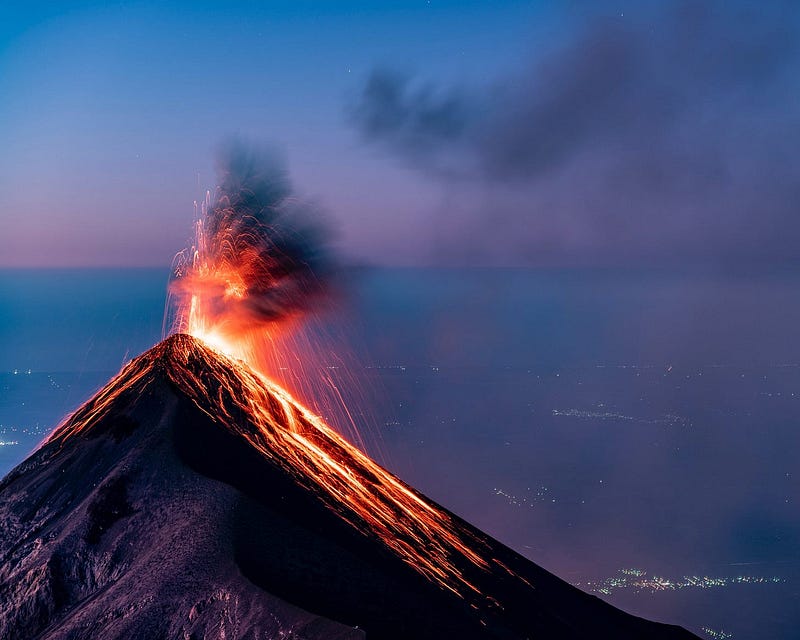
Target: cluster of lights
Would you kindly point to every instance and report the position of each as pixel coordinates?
(716, 635)
(607, 415)
(641, 581)
(540, 495)
(36, 430)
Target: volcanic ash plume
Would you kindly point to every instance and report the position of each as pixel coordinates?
(259, 257)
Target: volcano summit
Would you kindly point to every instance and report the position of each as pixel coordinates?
(193, 498)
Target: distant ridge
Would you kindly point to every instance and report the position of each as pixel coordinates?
(191, 498)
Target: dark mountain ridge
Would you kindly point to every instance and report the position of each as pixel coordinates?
(191, 499)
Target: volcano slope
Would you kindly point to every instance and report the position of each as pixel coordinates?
(192, 498)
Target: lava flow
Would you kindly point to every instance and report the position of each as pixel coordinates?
(252, 272)
(396, 561)
(363, 493)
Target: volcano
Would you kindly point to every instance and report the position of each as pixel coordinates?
(193, 498)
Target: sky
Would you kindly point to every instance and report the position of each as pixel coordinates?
(478, 133)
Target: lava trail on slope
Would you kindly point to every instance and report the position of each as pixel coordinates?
(193, 497)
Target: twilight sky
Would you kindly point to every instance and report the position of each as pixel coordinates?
(472, 132)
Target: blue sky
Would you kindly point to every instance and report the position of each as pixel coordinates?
(111, 114)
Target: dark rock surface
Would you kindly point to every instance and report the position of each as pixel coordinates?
(144, 516)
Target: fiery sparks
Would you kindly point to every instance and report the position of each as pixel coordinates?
(253, 271)
(255, 279)
(256, 265)
(291, 436)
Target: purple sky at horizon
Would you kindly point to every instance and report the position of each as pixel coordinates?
(502, 134)
(111, 117)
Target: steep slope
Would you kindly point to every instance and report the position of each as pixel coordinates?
(192, 498)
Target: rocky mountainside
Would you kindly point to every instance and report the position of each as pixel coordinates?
(191, 498)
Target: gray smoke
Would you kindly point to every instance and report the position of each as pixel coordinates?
(665, 134)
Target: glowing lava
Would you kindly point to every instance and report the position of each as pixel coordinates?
(258, 263)
(211, 292)
(251, 273)
(284, 431)
(236, 297)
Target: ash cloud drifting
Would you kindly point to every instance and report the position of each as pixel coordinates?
(667, 133)
(261, 254)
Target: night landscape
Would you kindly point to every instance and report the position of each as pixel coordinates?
(399, 320)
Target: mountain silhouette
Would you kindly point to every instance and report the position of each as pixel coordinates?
(191, 498)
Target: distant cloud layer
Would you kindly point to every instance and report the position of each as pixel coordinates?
(656, 136)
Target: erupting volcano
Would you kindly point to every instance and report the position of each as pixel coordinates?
(195, 497)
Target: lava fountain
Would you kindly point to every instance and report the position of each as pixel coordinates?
(253, 274)
(256, 267)
(257, 263)
(255, 278)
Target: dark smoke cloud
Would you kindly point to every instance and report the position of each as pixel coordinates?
(262, 253)
(665, 133)
(421, 123)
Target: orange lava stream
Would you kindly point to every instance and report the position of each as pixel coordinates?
(301, 442)
(238, 297)
(218, 366)
(360, 491)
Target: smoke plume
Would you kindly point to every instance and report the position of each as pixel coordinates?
(656, 132)
(260, 253)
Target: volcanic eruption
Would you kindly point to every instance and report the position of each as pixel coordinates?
(194, 497)
(258, 261)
